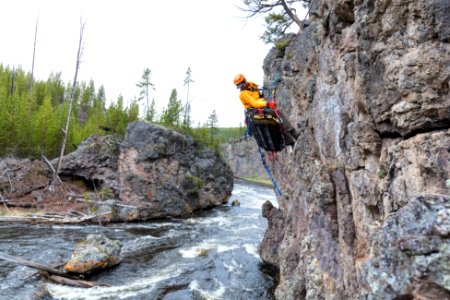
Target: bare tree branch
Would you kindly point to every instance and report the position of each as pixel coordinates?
(290, 13)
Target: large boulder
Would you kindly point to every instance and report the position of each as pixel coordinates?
(94, 254)
(165, 173)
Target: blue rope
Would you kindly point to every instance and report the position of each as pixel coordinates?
(268, 172)
(274, 83)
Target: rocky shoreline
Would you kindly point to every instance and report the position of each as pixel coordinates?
(153, 173)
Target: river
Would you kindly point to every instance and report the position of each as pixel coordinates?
(213, 255)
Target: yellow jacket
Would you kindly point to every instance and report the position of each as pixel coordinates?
(249, 96)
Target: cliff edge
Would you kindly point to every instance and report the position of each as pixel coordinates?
(365, 212)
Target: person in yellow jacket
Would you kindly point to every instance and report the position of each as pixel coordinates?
(249, 94)
(251, 98)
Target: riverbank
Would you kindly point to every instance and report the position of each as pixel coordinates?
(255, 180)
(211, 255)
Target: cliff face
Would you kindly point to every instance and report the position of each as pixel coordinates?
(244, 159)
(366, 205)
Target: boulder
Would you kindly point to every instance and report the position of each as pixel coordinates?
(94, 254)
(236, 203)
(165, 173)
(95, 162)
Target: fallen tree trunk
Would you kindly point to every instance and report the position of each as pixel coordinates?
(75, 282)
(52, 219)
(31, 264)
(52, 273)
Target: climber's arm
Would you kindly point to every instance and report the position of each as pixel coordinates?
(250, 101)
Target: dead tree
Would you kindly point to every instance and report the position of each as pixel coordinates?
(34, 54)
(72, 96)
(13, 81)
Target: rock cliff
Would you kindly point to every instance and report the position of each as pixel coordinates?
(156, 173)
(244, 159)
(365, 212)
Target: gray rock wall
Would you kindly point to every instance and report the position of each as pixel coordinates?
(244, 159)
(367, 85)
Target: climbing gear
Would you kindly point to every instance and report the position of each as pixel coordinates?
(239, 78)
(266, 126)
(268, 172)
(272, 105)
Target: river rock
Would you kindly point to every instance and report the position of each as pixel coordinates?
(268, 249)
(364, 210)
(165, 173)
(95, 253)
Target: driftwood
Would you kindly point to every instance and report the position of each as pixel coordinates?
(32, 189)
(31, 264)
(51, 168)
(78, 198)
(75, 282)
(4, 202)
(51, 273)
(9, 178)
(51, 218)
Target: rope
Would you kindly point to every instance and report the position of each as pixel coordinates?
(268, 172)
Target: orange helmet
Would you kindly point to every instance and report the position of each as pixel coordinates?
(238, 79)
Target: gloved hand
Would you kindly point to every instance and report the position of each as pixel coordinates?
(272, 105)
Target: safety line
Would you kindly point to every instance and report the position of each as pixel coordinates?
(268, 172)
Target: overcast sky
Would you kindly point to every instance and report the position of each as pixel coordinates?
(122, 38)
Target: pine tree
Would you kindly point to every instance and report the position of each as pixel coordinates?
(171, 115)
(144, 85)
(151, 114)
(212, 124)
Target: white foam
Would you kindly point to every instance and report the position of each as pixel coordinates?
(117, 292)
(205, 247)
(210, 295)
(225, 248)
(198, 250)
(218, 220)
(233, 267)
(251, 249)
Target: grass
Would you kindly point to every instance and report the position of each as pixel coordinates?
(17, 212)
(258, 180)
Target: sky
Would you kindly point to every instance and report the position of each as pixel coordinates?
(122, 38)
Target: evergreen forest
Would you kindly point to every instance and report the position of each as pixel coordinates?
(33, 115)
